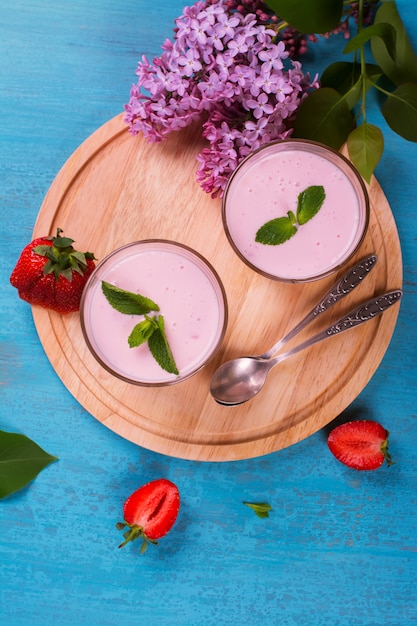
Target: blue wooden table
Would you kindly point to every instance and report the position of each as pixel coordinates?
(339, 547)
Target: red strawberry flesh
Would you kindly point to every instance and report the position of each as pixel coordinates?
(361, 444)
(151, 511)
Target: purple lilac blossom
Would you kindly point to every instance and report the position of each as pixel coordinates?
(227, 70)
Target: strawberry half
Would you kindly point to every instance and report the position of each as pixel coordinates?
(52, 274)
(362, 444)
(150, 512)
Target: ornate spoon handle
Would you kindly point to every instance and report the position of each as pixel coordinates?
(363, 313)
(347, 283)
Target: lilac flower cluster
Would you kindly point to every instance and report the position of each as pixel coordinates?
(226, 69)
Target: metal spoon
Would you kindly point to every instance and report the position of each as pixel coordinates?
(239, 380)
(347, 283)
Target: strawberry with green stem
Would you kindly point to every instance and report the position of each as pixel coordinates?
(361, 444)
(52, 274)
(150, 512)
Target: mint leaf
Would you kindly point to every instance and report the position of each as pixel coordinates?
(21, 460)
(126, 301)
(309, 203)
(280, 229)
(151, 329)
(141, 332)
(277, 231)
(160, 349)
(261, 508)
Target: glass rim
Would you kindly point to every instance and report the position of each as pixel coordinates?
(222, 300)
(336, 155)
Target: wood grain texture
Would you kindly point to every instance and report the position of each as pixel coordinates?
(115, 189)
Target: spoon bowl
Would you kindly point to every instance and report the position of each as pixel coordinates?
(241, 379)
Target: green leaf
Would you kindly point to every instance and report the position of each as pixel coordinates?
(291, 216)
(141, 332)
(261, 508)
(310, 202)
(346, 78)
(324, 116)
(21, 460)
(160, 349)
(400, 111)
(385, 32)
(365, 146)
(276, 231)
(309, 16)
(77, 260)
(45, 251)
(126, 301)
(62, 242)
(404, 68)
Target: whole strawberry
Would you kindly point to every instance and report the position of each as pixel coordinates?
(150, 512)
(362, 444)
(52, 274)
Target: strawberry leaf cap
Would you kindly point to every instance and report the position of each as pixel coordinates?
(135, 532)
(63, 259)
(385, 452)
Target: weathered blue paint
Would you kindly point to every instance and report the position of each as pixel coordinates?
(339, 548)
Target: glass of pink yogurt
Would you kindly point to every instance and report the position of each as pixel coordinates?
(191, 299)
(266, 185)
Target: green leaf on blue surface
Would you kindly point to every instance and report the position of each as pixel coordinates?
(21, 460)
(261, 508)
(324, 116)
(400, 111)
(403, 67)
(309, 16)
(365, 146)
(385, 32)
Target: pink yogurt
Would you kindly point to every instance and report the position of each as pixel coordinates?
(191, 299)
(266, 186)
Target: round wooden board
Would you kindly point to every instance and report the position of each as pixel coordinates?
(116, 189)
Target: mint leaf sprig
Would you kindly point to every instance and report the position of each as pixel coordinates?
(260, 508)
(280, 229)
(126, 301)
(150, 330)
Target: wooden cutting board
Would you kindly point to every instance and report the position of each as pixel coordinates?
(116, 189)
